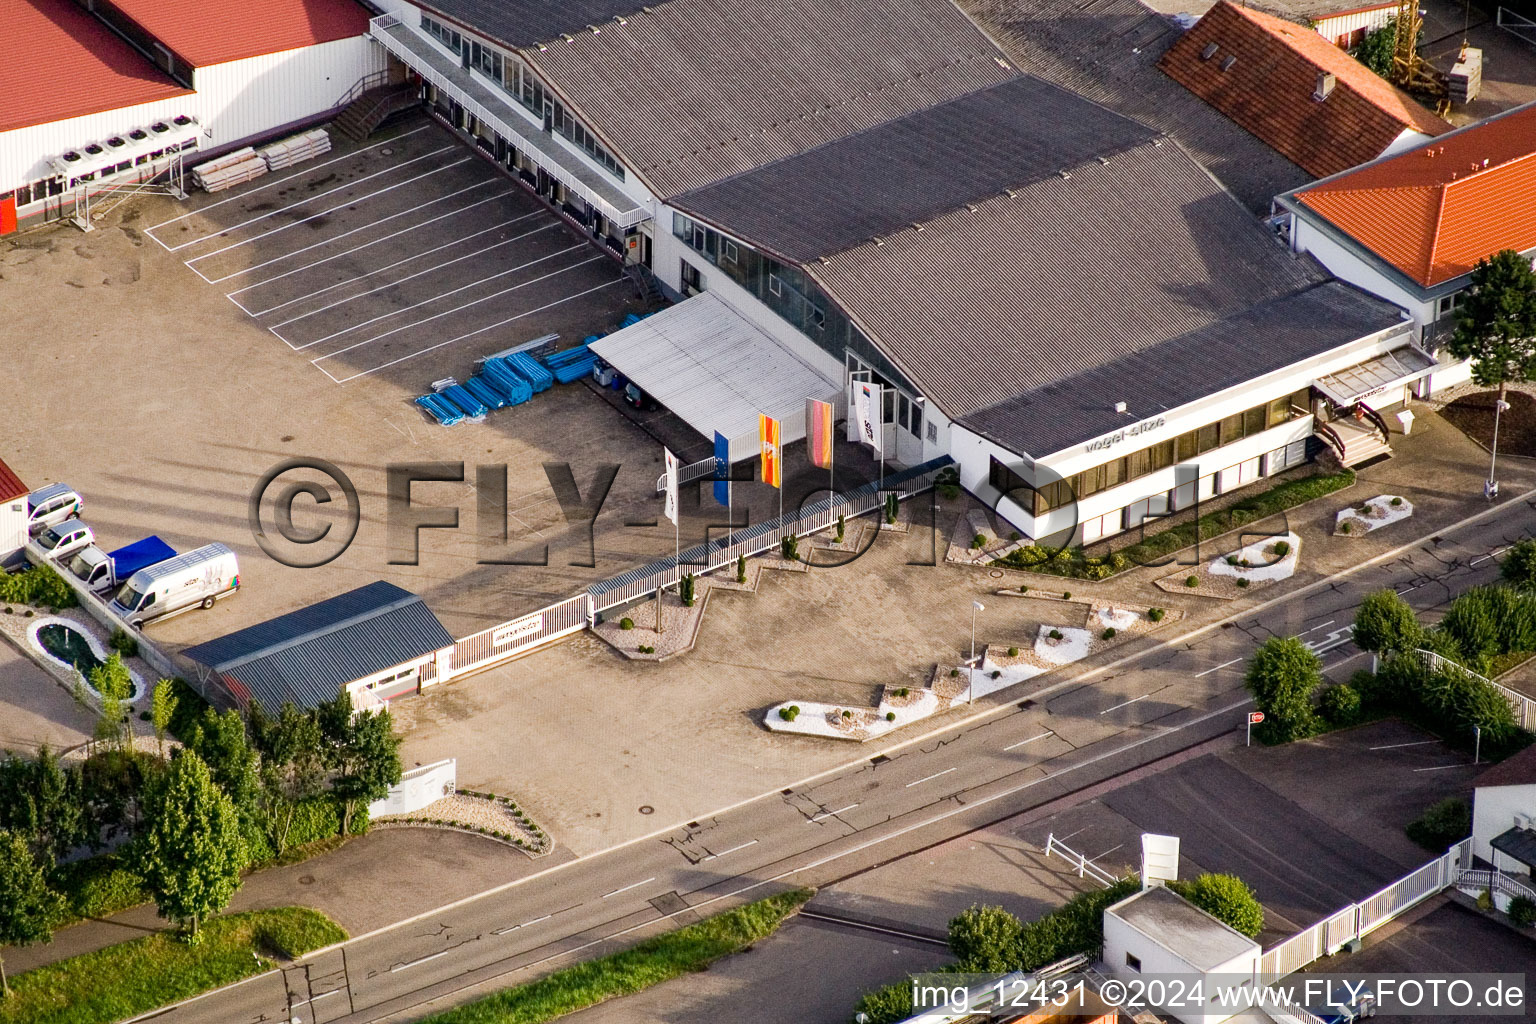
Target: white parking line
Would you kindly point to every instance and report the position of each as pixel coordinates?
(322, 213)
(307, 199)
(626, 888)
(471, 334)
(424, 302)
(722, 853)
(1218, 668)
(929, 778)
(1442, 767)
(277, 181)
(455, 309)
(1125, 703)
(1030, 740)
(372, 224)
(1394, 746)
(419, 273)
(828, 814)
(376, 241)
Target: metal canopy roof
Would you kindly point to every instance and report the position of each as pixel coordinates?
(307, 655)
(1519, 843)
(1397, 367)
(717, 370)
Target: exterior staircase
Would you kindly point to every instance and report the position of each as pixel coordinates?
(1352, 442)
(645, 284)
(360, 117)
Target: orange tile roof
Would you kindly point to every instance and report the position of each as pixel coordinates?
(10, 484)
(1435, 210)
(67, 64)
(203, 32)
(1268, 89)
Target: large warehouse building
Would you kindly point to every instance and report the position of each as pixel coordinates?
(115, 91)
(1058, 297)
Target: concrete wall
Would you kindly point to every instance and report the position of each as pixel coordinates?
(418, 788)
(1493, 811)
(13, 527)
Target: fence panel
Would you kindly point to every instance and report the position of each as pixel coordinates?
(1341, 928)
(1402, 894)
(500, 643)
(1292, 955)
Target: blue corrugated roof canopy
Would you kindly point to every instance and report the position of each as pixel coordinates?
(307, 655)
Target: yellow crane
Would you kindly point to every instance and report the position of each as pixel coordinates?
(1410, 72)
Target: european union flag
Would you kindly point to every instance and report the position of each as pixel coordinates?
(722, 469)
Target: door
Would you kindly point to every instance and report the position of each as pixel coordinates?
(8, 214)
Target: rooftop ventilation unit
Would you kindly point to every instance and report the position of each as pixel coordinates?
(1325, 83)
(1120, 408)
(1226, 65)
(1209, 51)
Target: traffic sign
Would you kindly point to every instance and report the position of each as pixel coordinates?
(1255, 717)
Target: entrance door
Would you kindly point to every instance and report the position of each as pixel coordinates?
(8, 214)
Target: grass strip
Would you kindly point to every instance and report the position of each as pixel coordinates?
(620, 974)
(135, 977)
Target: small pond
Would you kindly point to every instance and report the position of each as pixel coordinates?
(69, 646)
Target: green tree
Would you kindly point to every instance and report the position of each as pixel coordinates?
(1281, 676)
(1519, 565)
(113, 686)
(985, 939)
(1226, 898)
(221, 741)
(1496, 322)
(1386, 624)
(162, 711)
(1377, 48)
(28, 908)
(191, 851)
(41, 800)
(364, 753)
(292, 769)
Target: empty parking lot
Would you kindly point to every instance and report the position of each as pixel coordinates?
(409, 255)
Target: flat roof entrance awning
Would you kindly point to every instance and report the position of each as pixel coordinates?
(1519, 843)
(1374, 376)
(717, 371)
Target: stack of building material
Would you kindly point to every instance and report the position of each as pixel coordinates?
(296, 149)
(1466, 78)
(572, 364)
(231, 169)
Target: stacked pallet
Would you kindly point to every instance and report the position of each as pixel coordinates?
(231, 169)
(296, 149)
(1466, 78)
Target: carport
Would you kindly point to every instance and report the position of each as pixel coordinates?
(718, 371)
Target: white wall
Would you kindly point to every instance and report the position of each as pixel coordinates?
(25, 152)
(1344, 24)
(418, 788)
(13, 527)
(1347, 266)
(1121, 938)
(1493, 811)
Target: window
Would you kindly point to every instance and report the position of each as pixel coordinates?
(775, 285)
(933, 432)
(1232, 429)
(917, 420)
(693, 281)
(1006, 480)
(1133, 962)
(1253, 420)
(1447, 305)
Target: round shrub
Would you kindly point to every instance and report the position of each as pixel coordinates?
(784, 714)
(1066, 595)
(1522, 912)
(1345, 526)
(1055, 634)
(1341, 704)
(953, 672)
(1242, 583)
(847, 714)
(1519, 565)
(1226, 898)
(1282, 548)
(1109, 633)
(978, 542)
(626, 623)
(890, 716)
(1023, 589)
(997, 674)
(1192, 581)
(1396, 502)
(1231, 559)
(1156, 614)
(1013, 652)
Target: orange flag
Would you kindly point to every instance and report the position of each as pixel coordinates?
(818, 432)
(773, 452)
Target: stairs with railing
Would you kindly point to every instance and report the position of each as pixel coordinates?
(373, 107)
(1353, 442)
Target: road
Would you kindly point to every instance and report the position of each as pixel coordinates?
(1071, 733)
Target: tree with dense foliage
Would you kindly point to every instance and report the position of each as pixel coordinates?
(1226, 898)
(1519, 565)
(191, 851)
(985, 939)
(222, 743)
(1496, 321)
(113, 685)
(364, 753)
(1386, 624)
(1377, 49)
(41, 800)
(1281, 676)
(28, 908)
(293, 768)
(162, 710)
(1442, 823)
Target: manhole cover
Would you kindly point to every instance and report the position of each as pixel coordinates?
(996, 574)
(386, 151)
(306, 879)
(647, 809)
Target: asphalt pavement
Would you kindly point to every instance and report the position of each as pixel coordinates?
(1092, 725)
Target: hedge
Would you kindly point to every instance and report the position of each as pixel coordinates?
(39, 586)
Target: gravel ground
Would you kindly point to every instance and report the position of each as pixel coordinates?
(477, 812)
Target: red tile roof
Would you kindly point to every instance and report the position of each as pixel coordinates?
(1435, 210)
(204, 32)
(1269, 85)
(68, 64)
(10, 484)
(1516, 770)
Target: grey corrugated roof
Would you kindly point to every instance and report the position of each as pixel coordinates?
(528, 22)
(913, 168)
(306, 655)
(1107, 50)
(1225, 354)
(1068, 274)
(699, 90)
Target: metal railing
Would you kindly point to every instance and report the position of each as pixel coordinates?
(689, 473)
(371, 80)
(1517, 24)
(516, 636)
(1478, 878)
(755, 539)
(1085, 867)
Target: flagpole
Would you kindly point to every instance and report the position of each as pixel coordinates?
(880, 418)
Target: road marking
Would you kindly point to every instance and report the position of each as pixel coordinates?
(1030, 740)
(929, 778)
(628, 887)
(1442, 767)
(1394, 746)
(1320, 625)
(829, 814)
(277, 181)
(525, 924)
(1337, 638)
(471, 334)
(1125, 703)
(722, 853)
(413, 963)
(1405, 590)
(1218, 668)
(371, 224)
(309, 199)
(1495, 553)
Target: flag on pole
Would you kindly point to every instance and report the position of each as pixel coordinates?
(866, 404)
(818, 431)
(773, 452)
(671, 507)
(722, 469)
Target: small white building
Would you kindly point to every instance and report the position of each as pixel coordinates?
(1504, 817)
(13, 516)
(1158, 932)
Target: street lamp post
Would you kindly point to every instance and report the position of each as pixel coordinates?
(976, 606)
(1491, 485)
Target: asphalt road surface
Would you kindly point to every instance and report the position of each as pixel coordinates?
(1071, 733)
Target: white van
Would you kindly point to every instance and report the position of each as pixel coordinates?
(198, 577)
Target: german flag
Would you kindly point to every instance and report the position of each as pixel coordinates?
(818, 432)
(773, 451)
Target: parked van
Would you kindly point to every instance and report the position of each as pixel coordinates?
(198, 577)
(48, 506)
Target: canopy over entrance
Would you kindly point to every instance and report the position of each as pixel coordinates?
(1376, 375)
(718, 371)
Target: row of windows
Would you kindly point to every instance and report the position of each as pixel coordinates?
(1184, 448)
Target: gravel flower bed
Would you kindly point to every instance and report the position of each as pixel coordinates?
(496, 817)
(1228, 577)
(1372, 514)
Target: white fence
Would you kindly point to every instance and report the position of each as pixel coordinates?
(418, 788)
(510, 639)
(689, 473)
(1517, 24)
(1085, 867)
(1523, 708)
